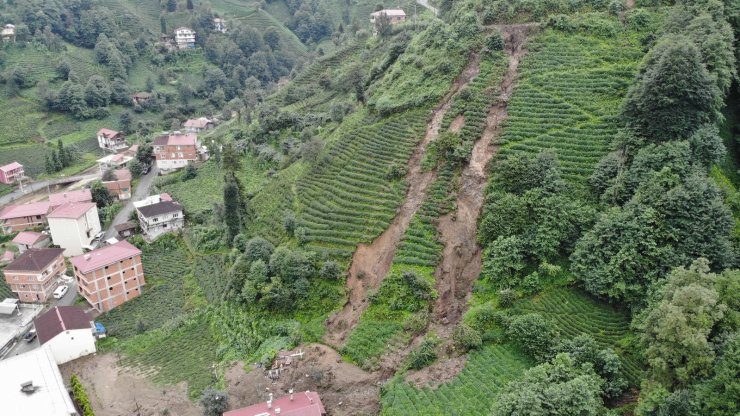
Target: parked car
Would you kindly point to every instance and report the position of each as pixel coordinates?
(30, 335)
(60, 291)
(99, 236)
(146, 170)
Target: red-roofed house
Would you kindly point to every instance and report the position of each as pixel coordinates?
(11, 173)
(82, 195)
(111, 140)
(109, 276)
(197, 125)
(30, 239)
(121, 186)
(73, 226)
(67, 331)
(33, 275)
(306, 403)
(6, 257)
(175, 151)
(20, 217)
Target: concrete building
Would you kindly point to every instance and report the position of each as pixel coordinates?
(158, 215)
(219, 25)
(15, 218)
(31, 385)
(197, 125)
(121, 185)
(175, 151)
(116, 161)
(61, 198)
(394, 16)
(11, 173)
(31, 239)
(7, 34)
(304, 403)
(73, 226)
(141, 97)
(109, 276)
(67, 332)
(184, 38)
(33, 275)
(111, 140)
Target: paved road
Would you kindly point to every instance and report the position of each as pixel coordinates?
(426, 4)
(141, 192)
(37, 186)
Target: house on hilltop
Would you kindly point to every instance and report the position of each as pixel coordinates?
(306, 403)
(395, 16)
(7, 34)
(159, 214)
(74, 225)
(176, 150)
(197, 125)
(219, 25)
(110, 276)
(21, 217)
(67, 331)
(111, 140)
(184, 38)
(12, 172)
(33, 275)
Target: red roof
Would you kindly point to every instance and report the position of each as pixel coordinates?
(108, 133)
(122, 174)
(60, 319)
(176, 140)
(11, 166)
(83, 195)
(29, 238)
(164, 196)
(72, 210)
(198, 123)
(24, 210)
(104, 256)
(8, 256)
(303, 404)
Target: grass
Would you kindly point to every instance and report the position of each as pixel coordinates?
(270, 204)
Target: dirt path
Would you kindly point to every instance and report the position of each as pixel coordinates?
(371, 263)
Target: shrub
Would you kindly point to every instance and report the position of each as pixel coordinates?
(80, 395)
(495, 42)
(533, 334)
(466, 338)
(258, 248)
(214, 402)
(330, 270)
(506, 298)
(424, 355)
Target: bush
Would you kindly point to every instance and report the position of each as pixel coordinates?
(330, 270)
(80, 396)
(495, 42)
(506, 298)
(466, 338)
(214, 402)
(533, 334)
(423, 356)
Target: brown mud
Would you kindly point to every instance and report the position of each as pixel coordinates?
(371, 263)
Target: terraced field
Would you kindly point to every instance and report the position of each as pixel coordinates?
(568, 97)
(350, 199)
(470, 393)
(272, 202)
(574, 313)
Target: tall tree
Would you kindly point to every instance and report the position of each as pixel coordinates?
(232, 207)
(162, 24)
(100, 195)
(189, 5)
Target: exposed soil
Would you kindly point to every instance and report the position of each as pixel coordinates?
(371, 263)
(344, 388)
(118, 391)
(457, 124)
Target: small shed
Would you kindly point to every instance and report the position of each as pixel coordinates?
(126, 229)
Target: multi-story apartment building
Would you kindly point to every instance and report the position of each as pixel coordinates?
(185, 38)
(12, 172)
(73, 226)
(111, 140)
(15, 218)
(33, 275)
(175, 151)
(158, 214)
(109, 276)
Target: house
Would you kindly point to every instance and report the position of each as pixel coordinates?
(121, 185)
(33, 275)
(7, 34)
(31, 384)
(6, 257)
(11, 172)
(394, 16)
(219, 25)
(184, 38)
(142, 97)
(158, 214)
(31, 239)
(197, 125)
(306, 403)
(67, 332)
(127, 229)
(175, 151)
(20, 217)
(109, 276)
(73, 226)
(61, 198)
(114, 161)
(111, 140)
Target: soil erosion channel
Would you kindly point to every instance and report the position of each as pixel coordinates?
(371, 263)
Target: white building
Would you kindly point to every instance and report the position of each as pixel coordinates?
(158, 214)
(111, 140)
(7, 34)
(219, 25)
(185, 38)
(67, 331)
(73, 226)
(31, 384)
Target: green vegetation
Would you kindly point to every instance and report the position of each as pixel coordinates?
(80, 396)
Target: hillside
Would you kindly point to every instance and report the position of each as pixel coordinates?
(510, 208)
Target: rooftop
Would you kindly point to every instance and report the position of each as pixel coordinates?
(34, 260)
(7, 256)
(389, 12)
(83, 195)
(50, 397)
(72, 210)
(306, 403)
(116, 159)
(29, 237)
(108, 133)
(198, 123)
(10, 166)
(159, 208)
(122, 174)
(104, 256)
(176, 139)
(24, 210)
(128, 225)
(59, 319)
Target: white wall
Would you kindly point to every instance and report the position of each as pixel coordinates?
(71, 234)
(70, 345)
(167, 164)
